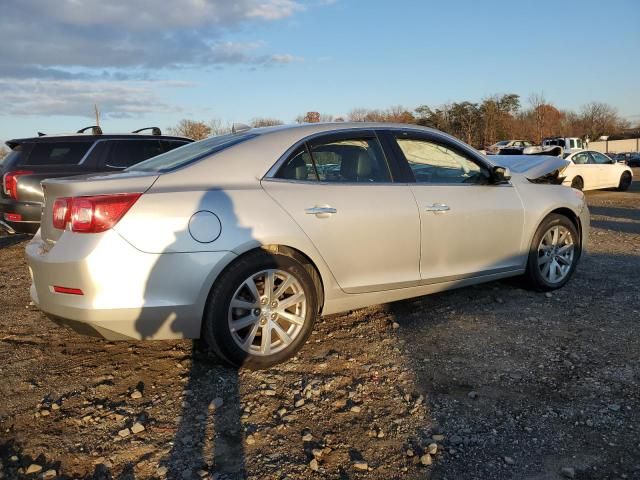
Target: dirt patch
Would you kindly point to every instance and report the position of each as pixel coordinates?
(508, 384)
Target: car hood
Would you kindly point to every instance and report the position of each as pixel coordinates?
(532, 167)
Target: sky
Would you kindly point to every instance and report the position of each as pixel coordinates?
(149, 63)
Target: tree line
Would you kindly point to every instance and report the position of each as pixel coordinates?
(495, 118)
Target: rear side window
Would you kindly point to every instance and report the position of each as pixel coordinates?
(125, 153)
(359, 160)
(299, 167)
(168, 145)
(581, 158)
(57, 153)
(13, 157)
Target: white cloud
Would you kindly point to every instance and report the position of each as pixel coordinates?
(77, 97)
(129, 33)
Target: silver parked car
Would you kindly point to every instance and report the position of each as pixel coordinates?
(242, 240)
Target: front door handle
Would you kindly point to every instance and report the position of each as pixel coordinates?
(320, 211)
(437, 207)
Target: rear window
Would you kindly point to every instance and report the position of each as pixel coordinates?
(57, 153)
(191, 153)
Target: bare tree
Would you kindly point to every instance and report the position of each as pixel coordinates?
(538, 102)
(601, 119)
(265, 122)
(192, 129)
(357, 115)
(218, 127)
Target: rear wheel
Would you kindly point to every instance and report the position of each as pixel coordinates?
(554, 253)
(577, 183)
(260, 311)
(625, 182)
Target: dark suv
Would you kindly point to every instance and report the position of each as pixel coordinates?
(32, 160)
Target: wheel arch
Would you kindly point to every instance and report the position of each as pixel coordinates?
(571, 215)
(293, 252)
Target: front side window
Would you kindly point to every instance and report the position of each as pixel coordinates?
(357, 160)
(58, 153)
(600, 159)
(435, 163)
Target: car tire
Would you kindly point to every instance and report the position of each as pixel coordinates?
(231, 332)
(625, 182)
(551, 262)
(577, 183)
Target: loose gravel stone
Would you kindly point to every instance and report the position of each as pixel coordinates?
(125, 432)
(136, 394)
(33, 468)
(426, 459)
(137, 428)
(360, 465)
(568, 472)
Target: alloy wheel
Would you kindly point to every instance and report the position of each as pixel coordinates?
(555, 254)
(267, 312)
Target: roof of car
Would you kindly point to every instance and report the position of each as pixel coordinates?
(89, 136)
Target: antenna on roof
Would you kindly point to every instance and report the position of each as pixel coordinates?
(95, 130)
(154, 130)
(239, 127)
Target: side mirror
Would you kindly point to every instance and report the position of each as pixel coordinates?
(500, 175)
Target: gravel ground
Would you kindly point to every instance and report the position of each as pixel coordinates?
(487, 382)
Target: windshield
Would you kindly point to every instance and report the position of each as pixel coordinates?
(190, 153)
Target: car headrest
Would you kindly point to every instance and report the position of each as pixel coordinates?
(296, 170)
(364, 165)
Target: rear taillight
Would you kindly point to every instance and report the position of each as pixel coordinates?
(10, 182)
(61, 212)
(92, 214)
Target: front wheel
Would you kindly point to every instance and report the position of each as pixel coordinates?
(554, 253)
(261, 310)
(625, 182)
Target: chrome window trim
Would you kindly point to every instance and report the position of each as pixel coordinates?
(318, 182)
(285, 156)
(86, 155)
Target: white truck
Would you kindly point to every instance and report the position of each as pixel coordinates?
(568, 144)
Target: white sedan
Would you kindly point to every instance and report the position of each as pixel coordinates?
(591, 170)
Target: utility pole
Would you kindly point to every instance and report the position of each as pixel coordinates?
(97, 112)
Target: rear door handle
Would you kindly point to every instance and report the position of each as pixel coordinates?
(322, 212)
(437, 207)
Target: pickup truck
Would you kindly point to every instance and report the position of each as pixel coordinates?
(34, 159)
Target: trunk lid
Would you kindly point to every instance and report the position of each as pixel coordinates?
(86, 185)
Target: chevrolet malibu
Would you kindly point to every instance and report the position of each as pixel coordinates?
(243, 240)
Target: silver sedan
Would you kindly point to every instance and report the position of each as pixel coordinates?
(243, 240)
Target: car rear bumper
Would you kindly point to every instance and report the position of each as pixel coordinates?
(29, 213)
(126, 293)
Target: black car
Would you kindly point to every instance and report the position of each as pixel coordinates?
(32, 160)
